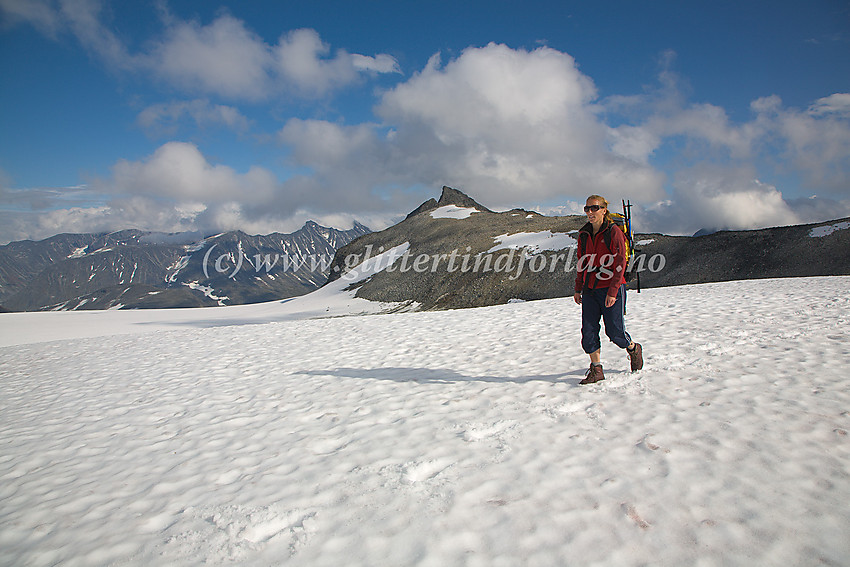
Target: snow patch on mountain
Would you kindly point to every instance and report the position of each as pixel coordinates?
(79, 252)
(207, 291)
(535, 242)
(453, 212)
(821, 231)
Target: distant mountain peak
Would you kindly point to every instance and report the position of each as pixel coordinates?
(449, 196)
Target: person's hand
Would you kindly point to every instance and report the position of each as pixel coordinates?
(577, 297)
(610, 301)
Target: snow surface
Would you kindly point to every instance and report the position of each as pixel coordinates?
(434, 438)
(453, 212)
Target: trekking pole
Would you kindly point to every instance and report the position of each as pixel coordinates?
(627, 212)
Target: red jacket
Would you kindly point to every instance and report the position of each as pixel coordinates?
(598, 265)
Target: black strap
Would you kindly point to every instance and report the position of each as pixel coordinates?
(606, 236)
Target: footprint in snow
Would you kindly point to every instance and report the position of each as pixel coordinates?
(479, 431)
(327, 445)
(422, 471)
(236, 533)
(630, 511)
(645, 443)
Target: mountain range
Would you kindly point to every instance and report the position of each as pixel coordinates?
(137, 269)
(450, 252)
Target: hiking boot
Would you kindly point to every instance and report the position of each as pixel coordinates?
(636, 357)
(594, 374)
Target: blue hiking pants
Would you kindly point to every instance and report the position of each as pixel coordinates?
(592, 309)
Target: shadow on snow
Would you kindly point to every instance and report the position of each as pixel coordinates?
(440, 375)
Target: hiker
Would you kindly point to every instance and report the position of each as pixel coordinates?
(600, 287)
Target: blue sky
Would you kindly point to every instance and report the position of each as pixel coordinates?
(176, 115)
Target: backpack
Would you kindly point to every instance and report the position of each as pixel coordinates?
(622, 222)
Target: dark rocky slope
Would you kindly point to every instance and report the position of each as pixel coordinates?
(664, 260)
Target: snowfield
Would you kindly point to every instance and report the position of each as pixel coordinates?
(431, 438)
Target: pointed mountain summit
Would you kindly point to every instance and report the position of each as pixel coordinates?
(449, 196)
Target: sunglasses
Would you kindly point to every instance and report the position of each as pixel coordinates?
(593, 208)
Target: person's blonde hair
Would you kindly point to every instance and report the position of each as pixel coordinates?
(604, 202)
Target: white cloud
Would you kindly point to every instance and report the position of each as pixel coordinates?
(816, 142)
(506, 125)
(226, 58)
(301, 59)
(329, 147)
(717, 162)
(634, 143)
(177, 189)
(509, 126)
(381, 63)
(703, 131)
(153, 214)
(179, 171)
(83, 17)
(519, 127)
(40, 214)
(166, 118)
(838, 103)
(121, 213)
(223, 58)
(705, 123)
(41, 14)
(717, 198)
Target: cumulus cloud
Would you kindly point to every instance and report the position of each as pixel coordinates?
(818, 209)
(509, 126)
(177, 188)
(227, 59)
(37, 226)
(301, 59)
(223, 57)
(179, 171)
